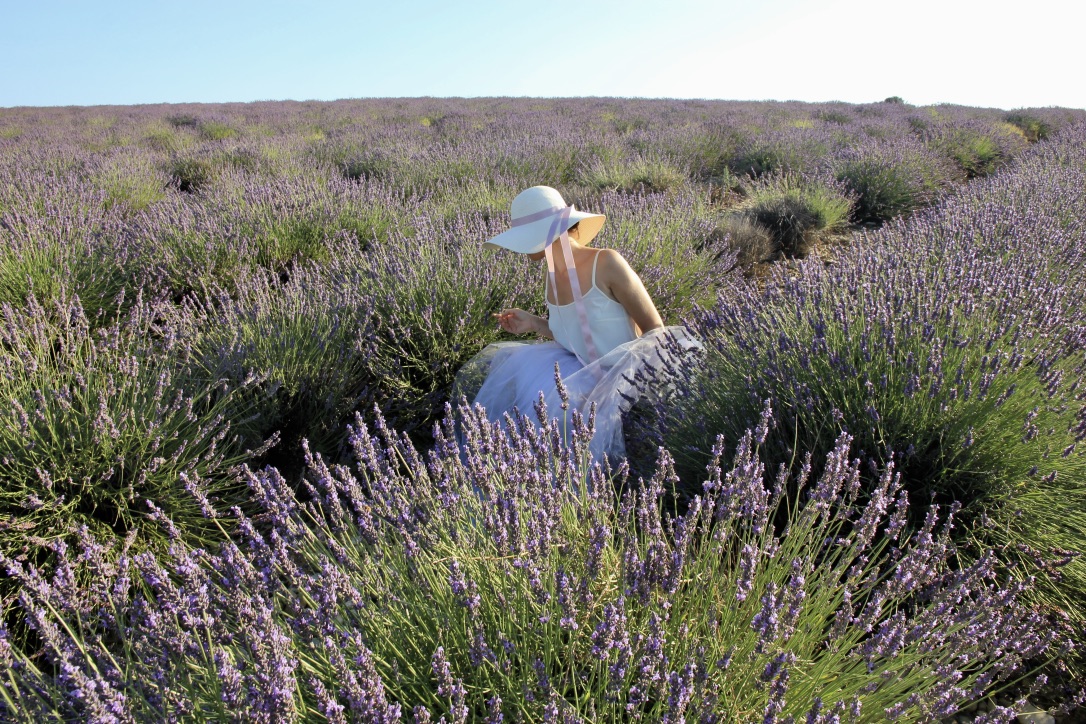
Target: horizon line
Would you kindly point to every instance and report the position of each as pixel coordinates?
(521, 97)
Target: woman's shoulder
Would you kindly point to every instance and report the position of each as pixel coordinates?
(609, 258)
(611, 262)
(613, 272)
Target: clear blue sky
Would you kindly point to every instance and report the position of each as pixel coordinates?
(926, 51)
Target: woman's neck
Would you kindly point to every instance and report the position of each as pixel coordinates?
(560, 259)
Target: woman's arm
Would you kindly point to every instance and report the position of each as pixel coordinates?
(614, 276)
(517, 321)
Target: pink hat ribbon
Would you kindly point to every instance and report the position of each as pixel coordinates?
(522, 220)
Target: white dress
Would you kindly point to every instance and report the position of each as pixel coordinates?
(508, 376)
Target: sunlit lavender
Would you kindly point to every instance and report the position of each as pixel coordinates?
(238, 485)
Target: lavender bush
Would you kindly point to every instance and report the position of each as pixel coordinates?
(430, 299)
(256, 224)
(58, 242)
(323, 258)
(927, 342)
(792, 149)
(306, 342)
(890, 179)
(388, 325)
(752, 243)
(797, 212)
(103, 429)
(640, 174)
(1039, 123)
(978, 148)
(672, 240)
(506, 580)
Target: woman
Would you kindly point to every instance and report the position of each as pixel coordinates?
(604, 338)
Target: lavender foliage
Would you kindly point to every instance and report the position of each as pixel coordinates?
(485, 580)
(949, 342)
(182, 286)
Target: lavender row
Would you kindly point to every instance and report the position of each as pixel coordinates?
(505, 581)
(211, 284)
(951, 343)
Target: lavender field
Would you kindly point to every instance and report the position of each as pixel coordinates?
(232, 487)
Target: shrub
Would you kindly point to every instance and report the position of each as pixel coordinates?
(889, 180)
(485, 198)
(282, 244)
(190, 173)
(162, 138)
(555, 166)
(100, 425)
(29, 269)
(896, 100)
(624, 126)
(49, 272)
(726, 189)
(183, 120)
(369, 166)
(131, 183)
(357, 160)
(978, 155)
(250, 159)
(183, 249)
(506, 580)
(927, 345)
(642, 175)
(796, 212)
(432, 309)
(1033, 126)
(217, 131)
(387, 326)
(708, 155)
(289, 224)
(757, 160)
(792, 150)
(307, 342)
(978, 149)
(752, 242)
(841, 117)
(251, 225)
(62, 239)
(439, 169)
(669, 241)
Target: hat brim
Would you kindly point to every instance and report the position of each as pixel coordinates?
(532, 238)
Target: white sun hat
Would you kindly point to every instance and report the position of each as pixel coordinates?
(537, 213)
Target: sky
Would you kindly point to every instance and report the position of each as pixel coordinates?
(965, 52)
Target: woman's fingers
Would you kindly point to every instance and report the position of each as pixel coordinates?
(507, 318)
(514, 321)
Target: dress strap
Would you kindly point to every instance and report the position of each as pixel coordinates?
(594, 260)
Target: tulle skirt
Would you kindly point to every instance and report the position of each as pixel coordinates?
(508, 376)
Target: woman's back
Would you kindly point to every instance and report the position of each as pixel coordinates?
(608, 322)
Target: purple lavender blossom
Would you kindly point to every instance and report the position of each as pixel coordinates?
(255, 306)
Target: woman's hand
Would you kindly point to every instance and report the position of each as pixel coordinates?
(517, 321)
